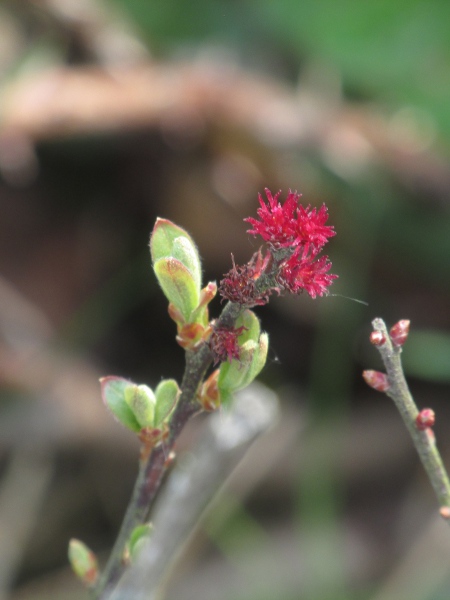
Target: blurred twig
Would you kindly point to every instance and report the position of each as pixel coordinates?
(192, 485)
(423, 441)
(21, 494)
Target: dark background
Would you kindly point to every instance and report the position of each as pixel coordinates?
(115, 113)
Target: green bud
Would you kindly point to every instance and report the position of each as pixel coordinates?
(252, 330)
(178, 284)
(163, 238)
(238, 374)
(258, 359)
(167, 394)
(141, 400)
(177, 265)
(138, 537)
(83, 562)
(113, 394)
(185, 251)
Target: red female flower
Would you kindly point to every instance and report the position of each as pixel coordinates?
(302, 271)
(290, 224)
(223, 343)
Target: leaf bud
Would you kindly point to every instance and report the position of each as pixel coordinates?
(113, 395)
(141, 400)
(167, 394)
(399, 332)
(376, 380)
(425, 419)
(138, 537)
(83, 562)
(377, 338)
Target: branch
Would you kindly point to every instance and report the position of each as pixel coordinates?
(396, 388)
(191, 487)
(153, 467)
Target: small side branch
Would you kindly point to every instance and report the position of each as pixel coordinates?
(423, 438)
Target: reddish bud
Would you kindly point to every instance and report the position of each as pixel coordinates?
(376, 380)
(83, 562)
(444, 511)
(377, 338)
(399, 332)
(425, 419)
(209, 396)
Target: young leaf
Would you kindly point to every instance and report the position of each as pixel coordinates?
(178, 285)
(83, 562)
(141, 400)
(163, 236)
(138, 537)
(186, 253)
(113, 394)
(167, 394)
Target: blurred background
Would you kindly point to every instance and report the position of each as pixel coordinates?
(115, 112)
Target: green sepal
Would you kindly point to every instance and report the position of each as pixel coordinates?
(178, 285)
(141, 400)
(113, 395)
(138, 537)
(83, 562)
(167, 394)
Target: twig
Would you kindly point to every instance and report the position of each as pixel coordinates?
(153, 467)
(191, 487)
(400, 394)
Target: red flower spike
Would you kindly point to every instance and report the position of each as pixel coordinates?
(376, 380)
(290, 224)
(399, 332)
(299, 273)
(223, 343)
(377, 338)
(425, 419)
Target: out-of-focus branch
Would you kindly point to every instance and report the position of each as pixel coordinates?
(395, 387)
(21, 494)
(192, 485)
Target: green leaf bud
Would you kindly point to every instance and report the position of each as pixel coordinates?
(141, 400)
(138, 537)
(238, 374)
(186, 253)
(178, 285)
(83, 562)
(113, 394)
(167, 394)
(163, 237)
(171, 247)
